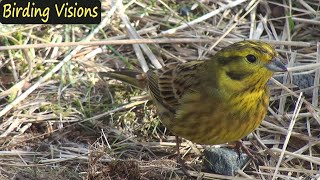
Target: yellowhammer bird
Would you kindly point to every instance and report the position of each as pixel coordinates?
(215, 101)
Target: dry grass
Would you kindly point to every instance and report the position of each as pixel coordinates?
(60, 121)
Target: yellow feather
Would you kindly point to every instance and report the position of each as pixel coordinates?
(219, 100)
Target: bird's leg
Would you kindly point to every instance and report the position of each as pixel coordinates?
(240, 146)
(179, 158)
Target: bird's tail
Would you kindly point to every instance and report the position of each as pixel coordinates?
(130, 77)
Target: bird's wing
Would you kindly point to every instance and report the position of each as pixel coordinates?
(169, 84)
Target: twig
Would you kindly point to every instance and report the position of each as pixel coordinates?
(309, 8)
(233, 26)
(313, 159)
(134, 35)
(315, 97)
(309, 106)
(56, 68)
(150, 41)
(204, 17)
(293, 120)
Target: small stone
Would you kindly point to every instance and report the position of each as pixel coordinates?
(224, 161)
(184, 11)
(303, 81)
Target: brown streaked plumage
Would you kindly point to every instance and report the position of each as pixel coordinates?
(219, 100)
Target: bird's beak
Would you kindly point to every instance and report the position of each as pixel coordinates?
(276, 65)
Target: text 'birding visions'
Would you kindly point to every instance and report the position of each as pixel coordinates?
(50, 12)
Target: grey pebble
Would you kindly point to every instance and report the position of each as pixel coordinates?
(224, 161)
(303, 81)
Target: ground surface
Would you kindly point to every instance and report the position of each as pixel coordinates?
(60, 120)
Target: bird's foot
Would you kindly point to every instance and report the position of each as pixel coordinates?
(241, 147)
(182, 165)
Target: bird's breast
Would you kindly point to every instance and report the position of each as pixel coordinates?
(215, 120)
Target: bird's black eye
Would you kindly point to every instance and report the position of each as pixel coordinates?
(251, 58)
